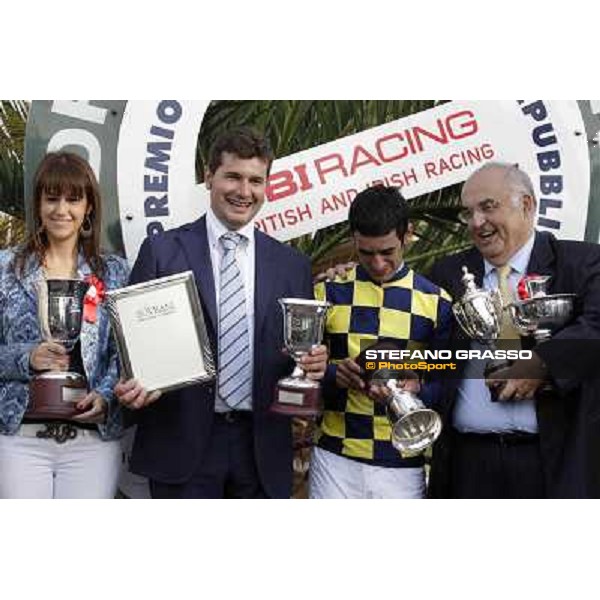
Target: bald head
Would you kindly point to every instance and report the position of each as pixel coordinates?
(515, 179)
(499, 202)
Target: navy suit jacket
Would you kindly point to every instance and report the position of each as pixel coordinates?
(568, 420)
(172, 433)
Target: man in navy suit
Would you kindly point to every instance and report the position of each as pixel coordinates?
(220, 440)
(529, 443)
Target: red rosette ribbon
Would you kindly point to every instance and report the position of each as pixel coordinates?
(95, 295)
(523, 288)
(522, 291)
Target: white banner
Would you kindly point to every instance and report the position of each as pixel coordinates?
(313, 189)
(156, 159)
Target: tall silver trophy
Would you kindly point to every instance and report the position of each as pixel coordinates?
(53, 394)
(539, 314)
(414, 427)
(303, 328)
(479, 313)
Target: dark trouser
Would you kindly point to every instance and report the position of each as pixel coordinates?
(227, 470)
(496, 466)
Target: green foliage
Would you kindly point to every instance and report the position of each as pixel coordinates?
(295, 125)
(13, 118)
(12, 230)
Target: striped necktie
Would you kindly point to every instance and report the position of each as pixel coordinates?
(235, 376)
(507, 329)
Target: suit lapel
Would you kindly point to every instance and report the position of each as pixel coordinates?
(195, 246)
(264, 280)
(542, 257)
(550, 408)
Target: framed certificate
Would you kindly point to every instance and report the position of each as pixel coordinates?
(160, 332)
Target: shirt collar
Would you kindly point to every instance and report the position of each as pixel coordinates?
(518, 261)
(362, 275)
(215, 229)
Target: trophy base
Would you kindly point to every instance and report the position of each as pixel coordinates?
(297, 400)
(55, 395)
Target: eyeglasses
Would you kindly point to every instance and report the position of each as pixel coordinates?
(486, 208)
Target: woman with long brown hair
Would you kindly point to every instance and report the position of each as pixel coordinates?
(78, 456)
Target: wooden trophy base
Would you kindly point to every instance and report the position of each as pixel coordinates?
(54, 396)
(296, 401)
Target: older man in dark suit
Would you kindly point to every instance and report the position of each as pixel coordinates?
(529, 443)
(221, 440)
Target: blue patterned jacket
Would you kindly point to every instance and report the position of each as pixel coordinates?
(20, 333)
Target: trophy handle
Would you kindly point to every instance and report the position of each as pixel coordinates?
(523, 326)
(459, 313)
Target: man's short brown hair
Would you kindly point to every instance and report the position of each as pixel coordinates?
(244, 142)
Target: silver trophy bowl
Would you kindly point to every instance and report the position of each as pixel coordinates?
(414, 427)
(303, 329)
(542, 315)
(60, 313)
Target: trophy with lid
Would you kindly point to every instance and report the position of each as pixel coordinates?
(479, 313)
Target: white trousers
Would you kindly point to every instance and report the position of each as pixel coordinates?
(85, 467)
(333, 476)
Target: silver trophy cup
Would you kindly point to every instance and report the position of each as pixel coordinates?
(303, 328)
(479, 313)
(414, 427)
(541, 314)
(60, 312)
(54, 394)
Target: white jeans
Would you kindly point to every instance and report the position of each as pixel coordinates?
(333, 476)
(85, 467)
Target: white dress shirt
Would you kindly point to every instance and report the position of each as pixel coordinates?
(245, 258)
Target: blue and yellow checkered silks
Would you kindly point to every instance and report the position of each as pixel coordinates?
(409, 309)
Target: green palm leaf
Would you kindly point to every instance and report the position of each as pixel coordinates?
(13, 117)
